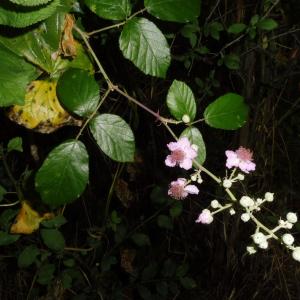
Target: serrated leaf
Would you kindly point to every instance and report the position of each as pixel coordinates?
(144, 44)
(15, 144)
(55, 222)
(227, 112)
(28, 256)
(30, 2)
(195, 137)
(12, 87)
(12, 15)
(232, 61)
(188, 283)
(150, 271)
(7, 239)
(181, 100)
(174, 10)
(114, 137)
(53, 239)
(78, 91)
(45, 274)
(236, 28)
(267, 24)
(64, 174)
(42, 110)
(176, 209)
(141, 239)
(164, 221)
(110, 9)
(28, 220)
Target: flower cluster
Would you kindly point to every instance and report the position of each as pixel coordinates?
(182, 154)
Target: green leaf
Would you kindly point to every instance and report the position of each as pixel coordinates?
(176, 209)
(254, 20)
(64, 174)
(181, 101)
(232, 61)
(267, 24)
(39, 44)
(78, 91)
(30, 2)
(2, 192)
(164, 221)
(150, 271)
(15, 144)
(141, 239)
(188, 283)
(45, 274)
(12, 87)
(236, 28)
(7, 239)
(53, 239)
(195, 137)
(56, 222)
(107, 262)
(12, 15)
(6, 217)
(114, 137)
(28, 256)
(174, 10)
(227, 112)
(144, 44)
(110, 9)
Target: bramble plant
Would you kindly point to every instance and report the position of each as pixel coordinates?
(58, 82)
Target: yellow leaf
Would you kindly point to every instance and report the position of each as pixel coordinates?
(28, 220)
(42, 110)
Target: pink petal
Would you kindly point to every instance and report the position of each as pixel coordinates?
(169, 162)
(191, 189)
(173, 146)
(247, 166)
(186, 164)
(184, 142)
(230, 154)
(181, 181)
(191, 153)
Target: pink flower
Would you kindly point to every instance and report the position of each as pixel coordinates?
(241, 158)
(205, 217)
(179, 189)
(182, 154)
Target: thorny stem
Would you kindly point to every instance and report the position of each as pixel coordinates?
(116, 25)
(93, 114)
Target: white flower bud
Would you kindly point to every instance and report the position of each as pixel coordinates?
(246, 201)
(227, 183)
(232, 211)
(288, 225)
(269, 196)
(215, 204)
(199, 180)
(263, 244)
(186, 119)
(259, 201)
(195, 147)
(251, 250)
(296, 254)
(194, 177)
(292, 217)
(288, 239)
(240, 176)
(258, 238)
(245, 217)
(281, 222)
